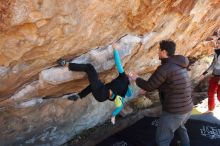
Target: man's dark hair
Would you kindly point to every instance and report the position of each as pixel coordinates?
(169, 46)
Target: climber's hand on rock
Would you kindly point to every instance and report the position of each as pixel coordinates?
(113, 120)
(116, 46)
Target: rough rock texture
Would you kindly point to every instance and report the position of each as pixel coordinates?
(34, 34)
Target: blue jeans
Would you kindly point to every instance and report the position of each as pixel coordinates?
(168, 124)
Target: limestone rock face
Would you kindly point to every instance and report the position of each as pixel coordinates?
(34, 34)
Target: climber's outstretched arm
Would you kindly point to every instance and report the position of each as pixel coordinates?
(117, 60)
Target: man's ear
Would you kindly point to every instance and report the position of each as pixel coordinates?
(165, 53)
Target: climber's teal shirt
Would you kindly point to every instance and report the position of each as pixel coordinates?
(119, 100)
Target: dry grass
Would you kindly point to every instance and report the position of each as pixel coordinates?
(141, 102)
